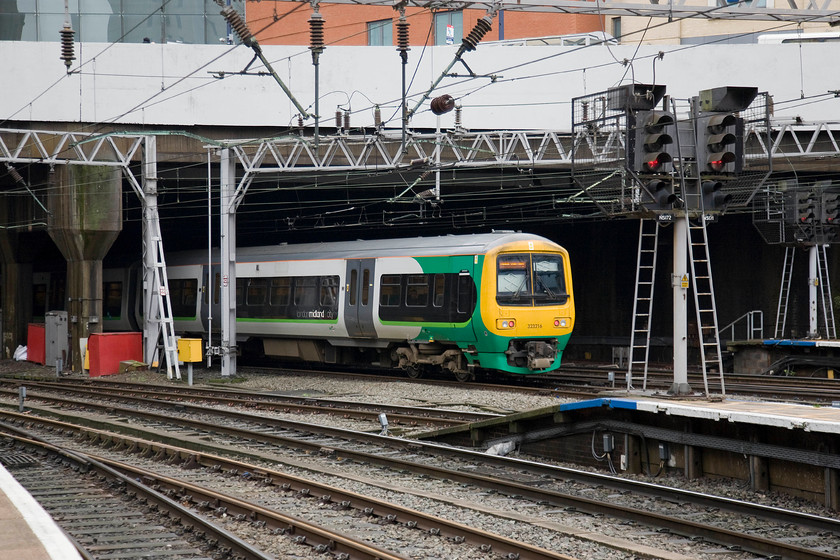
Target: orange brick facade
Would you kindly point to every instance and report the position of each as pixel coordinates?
(287, 23)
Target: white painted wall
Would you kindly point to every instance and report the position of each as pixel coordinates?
(172, 84)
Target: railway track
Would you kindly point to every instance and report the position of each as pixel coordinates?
(185, 398)
(580, 382)
(109, 515)
(263, 438)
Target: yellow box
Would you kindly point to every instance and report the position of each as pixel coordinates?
(189, 350)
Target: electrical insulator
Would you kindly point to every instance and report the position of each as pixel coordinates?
(316, 35)
(239, 26)
(471, 41)
(346, 119)
(442, 104)
(402, 38)
(377, 116)
(14, 173)
(458, 116)
(338, 118)
(67, 45)
(300, 123)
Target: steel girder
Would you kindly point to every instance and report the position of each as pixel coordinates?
(341, 153)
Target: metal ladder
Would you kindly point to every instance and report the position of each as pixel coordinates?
(643, 303)
(824, 289)
(784, 293)
(166, 326)
(704, 300)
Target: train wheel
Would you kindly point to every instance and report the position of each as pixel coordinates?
(465, 376)
(414, 372)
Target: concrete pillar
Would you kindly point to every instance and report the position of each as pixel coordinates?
(86, 216)
(16, 301)
(17, 217)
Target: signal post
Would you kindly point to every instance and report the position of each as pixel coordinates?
(683, 170)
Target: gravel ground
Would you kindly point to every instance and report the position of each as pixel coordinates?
(418, 394)
(403, 393)
(410, 393)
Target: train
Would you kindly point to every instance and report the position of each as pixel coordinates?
(499, 301)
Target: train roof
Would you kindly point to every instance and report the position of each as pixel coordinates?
(443, 245)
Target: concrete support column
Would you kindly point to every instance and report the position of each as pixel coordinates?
(15, 271)
(15, 300)
(679, 283)
(813, 283)
(84, 302)
(85, 218)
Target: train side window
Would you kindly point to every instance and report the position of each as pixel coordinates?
(329, 291)
(417, 290)
(466, 295)
(112, 300)
(281, 292)
(354, 281)
(306, 291)
(366, 287)
(240, 290)
(182, 296)
(257, 292)
(205, 289)
(389, 290)
(439, 286)
(188, 292)
(176, 292)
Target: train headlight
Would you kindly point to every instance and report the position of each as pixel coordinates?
(561, 322)
(505, 323)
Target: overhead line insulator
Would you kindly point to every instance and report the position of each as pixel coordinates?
(442, 104)
(402, 38)
(16, 176)
(239, 26)
(67, 46)
(471, 41)
(316, 35)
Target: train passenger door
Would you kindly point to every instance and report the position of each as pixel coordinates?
(358, 300)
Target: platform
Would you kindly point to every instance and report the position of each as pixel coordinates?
(818, 419)
(771, 446)
(775, 356)
(27, 532)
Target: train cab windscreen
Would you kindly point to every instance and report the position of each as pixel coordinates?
(530, 279)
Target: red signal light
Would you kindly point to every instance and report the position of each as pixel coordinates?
(653, 165)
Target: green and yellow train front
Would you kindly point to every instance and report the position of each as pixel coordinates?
(526, 306)
(523, 311)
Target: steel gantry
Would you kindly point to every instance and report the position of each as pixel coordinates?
(816, 143)
(121, 150)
